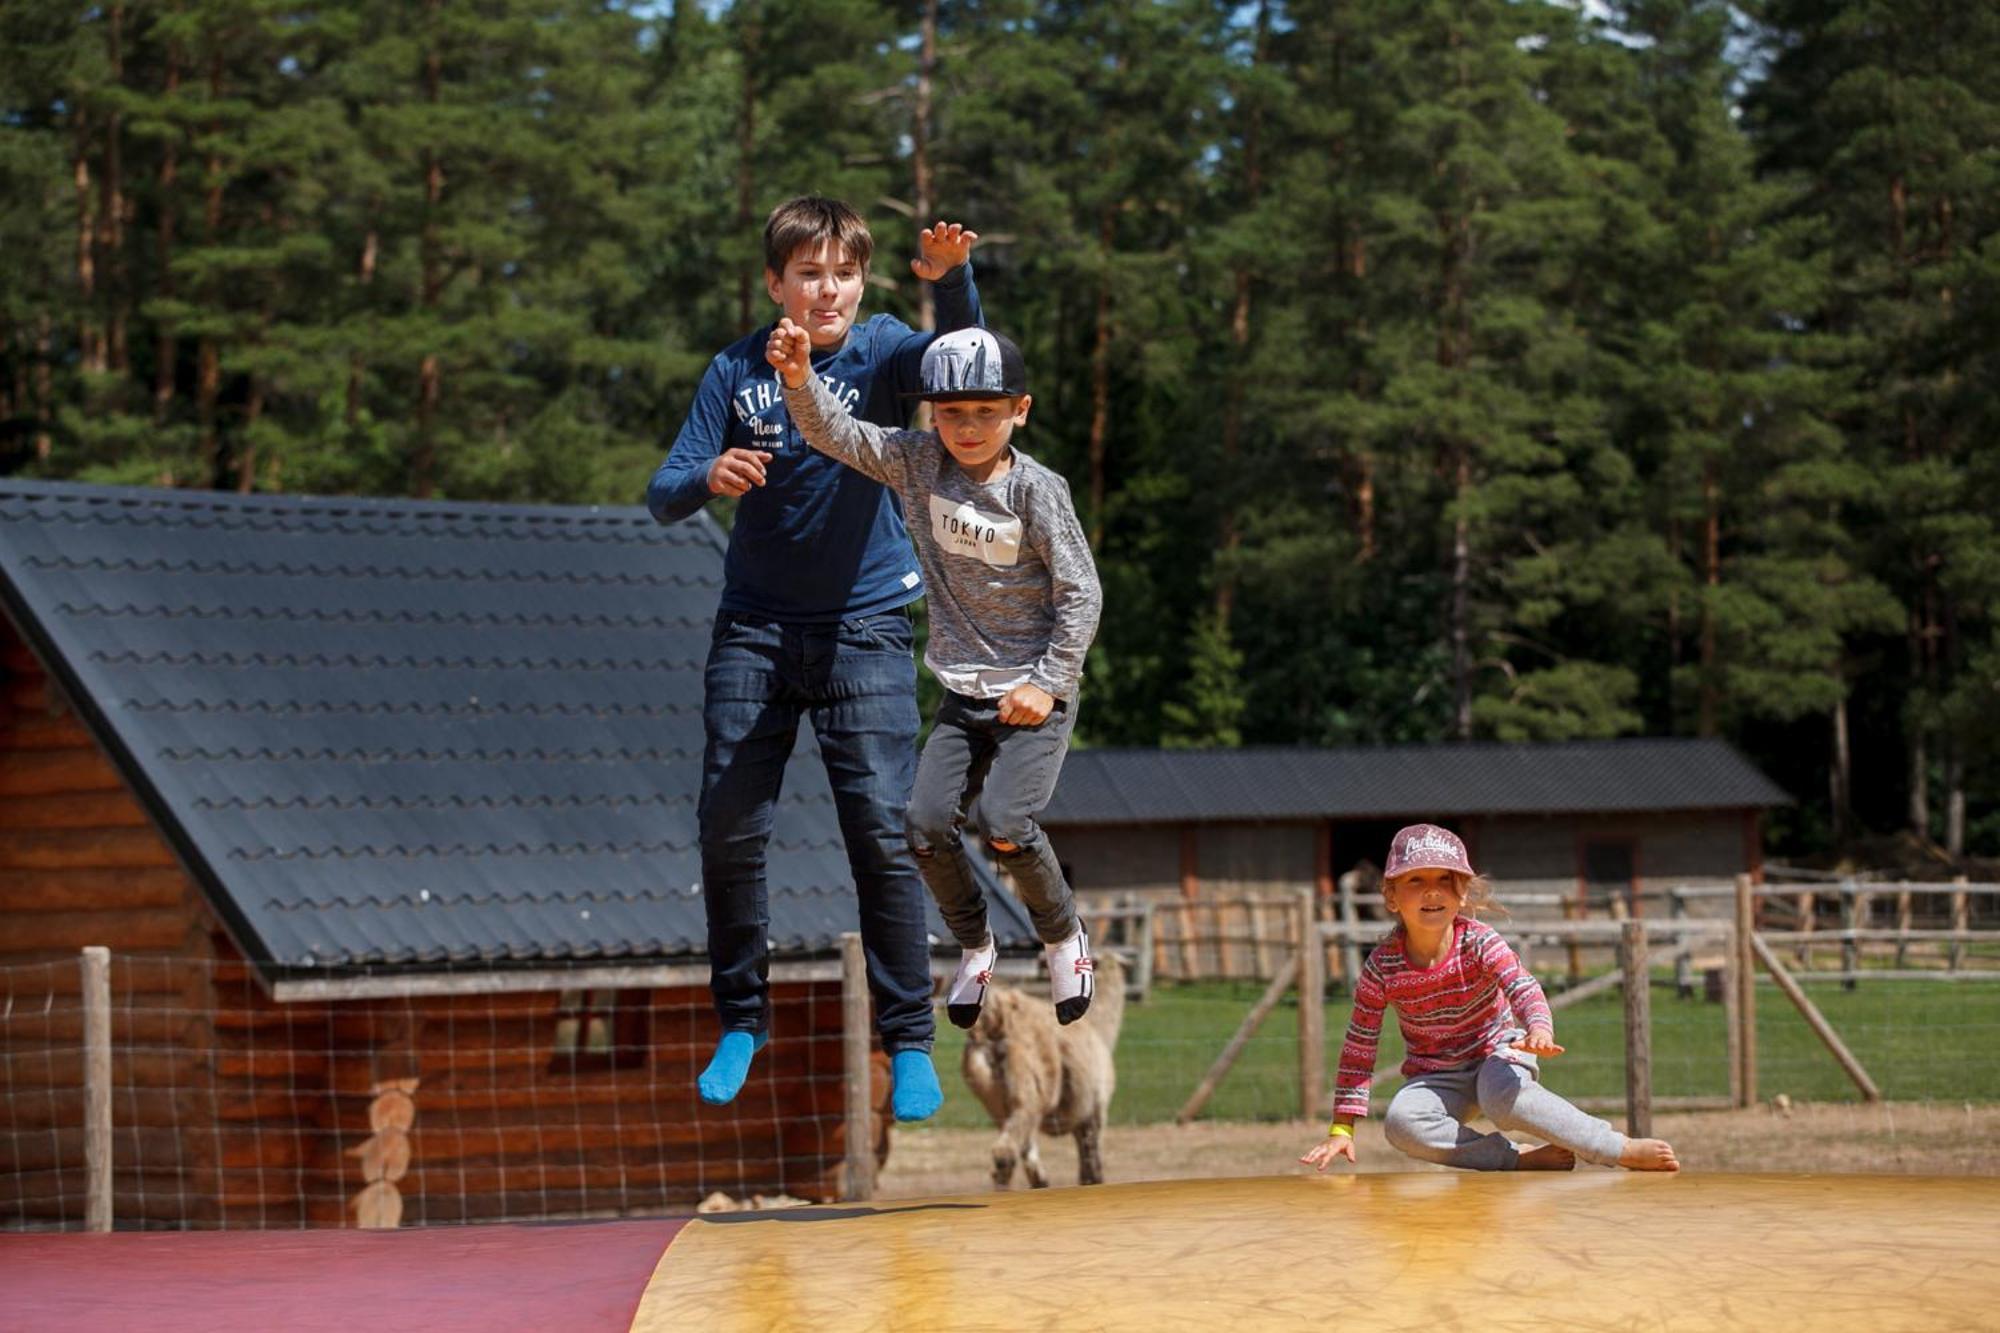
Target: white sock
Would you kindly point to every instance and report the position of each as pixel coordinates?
(968, 984)
(1072, 978)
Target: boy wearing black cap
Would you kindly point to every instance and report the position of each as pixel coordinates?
(1014, 602)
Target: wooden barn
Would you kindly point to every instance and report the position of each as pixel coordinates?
(1595, 822)
(385, 811)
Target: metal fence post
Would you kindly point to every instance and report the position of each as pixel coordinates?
(855, 1065)
(97, 1087)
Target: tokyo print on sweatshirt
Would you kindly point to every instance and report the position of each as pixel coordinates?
(1014, 597)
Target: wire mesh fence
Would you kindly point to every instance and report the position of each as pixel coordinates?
(228, 1109)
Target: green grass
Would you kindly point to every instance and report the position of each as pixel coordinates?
(1920, 1041)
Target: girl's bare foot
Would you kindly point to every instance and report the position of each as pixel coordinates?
(1548, 1157)
(1648, 1155)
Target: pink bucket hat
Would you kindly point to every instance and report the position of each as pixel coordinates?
(1425, 846)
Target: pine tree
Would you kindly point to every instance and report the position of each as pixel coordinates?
(1891, 115)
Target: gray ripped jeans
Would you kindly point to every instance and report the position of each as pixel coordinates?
(1427, 1116)
(1009, 772)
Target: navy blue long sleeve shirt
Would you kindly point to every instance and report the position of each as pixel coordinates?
(818, 542)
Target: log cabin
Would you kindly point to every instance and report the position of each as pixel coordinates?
(386, 812)
(1600, 821)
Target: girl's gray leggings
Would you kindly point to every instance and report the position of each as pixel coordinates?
(1427, 1117)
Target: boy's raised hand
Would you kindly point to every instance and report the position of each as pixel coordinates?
(942, 247)
(790, 352)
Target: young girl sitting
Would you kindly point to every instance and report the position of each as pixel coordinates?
(1474, 1022)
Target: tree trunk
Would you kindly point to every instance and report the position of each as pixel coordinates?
(166, 351)
(246, 463)
(111, 222)
(1100, 380)
(89, 346)
(746, 156)
(1364, 504)
(45, 406)
(1711, 565)
(1461, 599)
(1954, 798)
(920, 151)
(1231, 534)
(430, 370)
(208, 369)
(365, 280)
(1840, 775)
(1673, 597)
(1920, 784)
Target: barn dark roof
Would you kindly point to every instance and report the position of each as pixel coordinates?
(434, 735)
(1418, 781)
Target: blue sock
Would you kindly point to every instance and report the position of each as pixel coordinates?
(918, 1095)
(723, 1079)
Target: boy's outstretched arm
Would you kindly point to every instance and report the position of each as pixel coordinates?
(825, 424)
(942, 247)
(944, 259)
(698, 468)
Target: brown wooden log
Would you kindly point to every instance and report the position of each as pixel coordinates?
(30, 1068)
(292, 1066)
(95, 890)
(383, 1156)
(136, 1198)
(392, 1110)
(38, 729)
(44, 772)
(378, 1206)
(136, 1149)
(508, 1062)
(63, 1024)
(1815, 1020)
(73, 810)
(62, 849)
(758, 1157)
(31, 1111)
(1237, 1041)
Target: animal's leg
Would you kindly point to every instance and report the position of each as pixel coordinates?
(1031, 1162)
(1089, 1153)
(1004, 1156)
(1016, 1144)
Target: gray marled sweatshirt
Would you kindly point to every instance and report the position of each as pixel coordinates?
(1013, 591)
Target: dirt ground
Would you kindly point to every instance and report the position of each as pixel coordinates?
(1906, 1138)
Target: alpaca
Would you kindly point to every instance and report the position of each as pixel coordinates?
(1034, 1075)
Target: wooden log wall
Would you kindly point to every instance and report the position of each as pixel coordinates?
(499, 1126)
(232, 1110)
(81, 864)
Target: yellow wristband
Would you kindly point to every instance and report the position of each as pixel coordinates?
(1338, 1131)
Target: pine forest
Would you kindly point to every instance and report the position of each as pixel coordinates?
(1422, 370)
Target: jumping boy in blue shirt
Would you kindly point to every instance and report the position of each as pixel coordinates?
(813, 621)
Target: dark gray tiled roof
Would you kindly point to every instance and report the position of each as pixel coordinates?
(1417, 781)
(427, 734)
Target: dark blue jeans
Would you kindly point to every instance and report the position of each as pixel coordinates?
(857, 681)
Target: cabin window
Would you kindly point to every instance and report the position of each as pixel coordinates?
(602, 1029)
